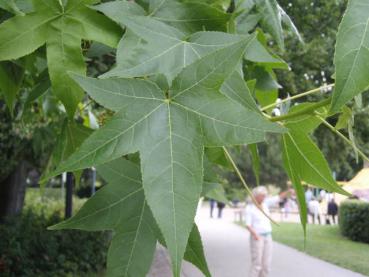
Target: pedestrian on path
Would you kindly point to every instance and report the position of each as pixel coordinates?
(261, 231)
(220, 206)
(314, 210)
(212, 206)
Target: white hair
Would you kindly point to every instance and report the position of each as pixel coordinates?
(260, 190)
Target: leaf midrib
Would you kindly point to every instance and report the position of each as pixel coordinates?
(355, 59)
(309, 163)
(135, 239)
(115, 137)
(218, 120)
(178, 93)
(172, 184)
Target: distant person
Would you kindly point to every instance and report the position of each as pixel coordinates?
(308, 195)
(212, 206)
(314, 210)
(220, 206)
(332, 210)
(261, 231)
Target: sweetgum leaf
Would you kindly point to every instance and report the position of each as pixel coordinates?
(121, 207)
(351, 58)
(294, 176)
(61, 27)
(170, 129)
(189, 16)
(271, 19)
(311, 166)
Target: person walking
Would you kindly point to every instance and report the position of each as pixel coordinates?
(212, 206)
(220, 206)
(332, 210)
(314, 210)
(260, 230)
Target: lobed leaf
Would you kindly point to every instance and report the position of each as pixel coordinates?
(351, 58)
(294, 176)
(271, 19)
(170, 129)
(61, 26)
(311, 166)
(121, 207)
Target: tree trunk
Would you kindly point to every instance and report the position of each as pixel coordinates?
(12, 192)
(69, 195)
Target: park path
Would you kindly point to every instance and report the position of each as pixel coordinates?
(227, 251)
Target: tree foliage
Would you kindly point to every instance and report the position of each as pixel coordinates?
(191, 77)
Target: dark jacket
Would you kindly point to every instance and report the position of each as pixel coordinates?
(332, 208)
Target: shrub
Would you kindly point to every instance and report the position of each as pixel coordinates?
(354, 220)
(27, 248)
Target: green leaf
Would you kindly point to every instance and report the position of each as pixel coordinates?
(271, 20)
(189, 16)
(61, 27)
(11, 77)
(351, 58)
(40, 89)
(289, 23)
(170, 134)
(294, 175)
(253, 148)
(151, 47)
(70, 139)
(117, 10)
(10, 6)
(121, 207)
(266, 88)
(245, 20)
(216, 156)
(309, 164)
(72, 136)
(344, 118)
(306, 122)
(258, 53)
(195, 252)
(214, 191)
(236, 88)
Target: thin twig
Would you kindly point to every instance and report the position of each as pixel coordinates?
(297, 96)
(349, 142)
(236, 169)
(307, 110)
(86, 105)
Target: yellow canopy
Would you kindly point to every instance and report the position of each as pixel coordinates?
(359, 183)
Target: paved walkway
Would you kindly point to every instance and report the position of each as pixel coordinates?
(227, 252)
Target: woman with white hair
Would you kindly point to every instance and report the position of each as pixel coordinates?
(261, 230)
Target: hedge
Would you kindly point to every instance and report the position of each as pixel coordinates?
(27, 248)
(354, 220)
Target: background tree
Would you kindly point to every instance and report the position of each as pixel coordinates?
(311, 66)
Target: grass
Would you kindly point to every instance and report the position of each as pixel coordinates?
(49, 202)
(326, 243)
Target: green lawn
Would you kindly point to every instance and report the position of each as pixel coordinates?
(326, 243)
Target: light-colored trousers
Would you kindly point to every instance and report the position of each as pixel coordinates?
(261, 256)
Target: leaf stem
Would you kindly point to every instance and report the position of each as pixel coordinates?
(237, 170)
(307, 110)
(319, 89)
(349, 142)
